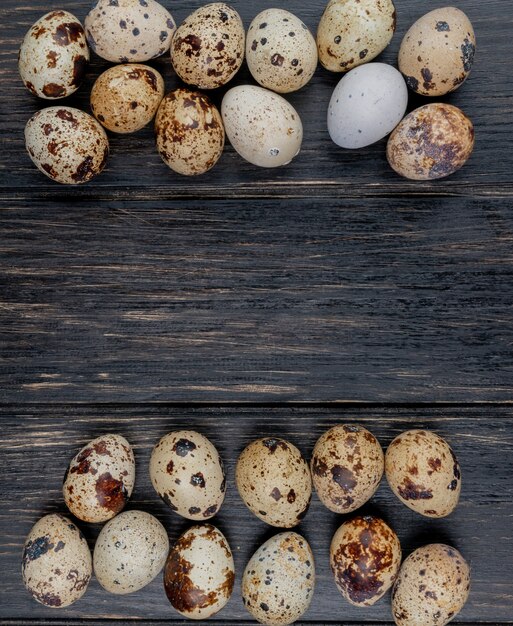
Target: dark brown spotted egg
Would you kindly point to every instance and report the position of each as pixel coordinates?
(279, 580)
(56, 564)
(274, 481)
(100, 479)
(432, 587)
(66, 144)
(208, 47)
(365, 557)
(188, 474)
(437, 52)
(189, 132)
(347, 465)
(424, 473)
(126, 97)
(54, 56)
(129, 31)
(280, 51)
(199, 573)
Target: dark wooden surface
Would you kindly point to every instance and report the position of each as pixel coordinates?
(250, 302)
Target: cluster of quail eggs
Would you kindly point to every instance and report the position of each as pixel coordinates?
(207, 50)
(275, 482)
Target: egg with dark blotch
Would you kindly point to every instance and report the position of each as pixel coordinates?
(199, 573)
(424, 473)
(274, 481)
(365, 557)
(129, 31)
(54, 56)
(432, 587)
(347, 465)
(188, 474)
(437, 52)
(208, 47)
(56, 562)
(189, 132)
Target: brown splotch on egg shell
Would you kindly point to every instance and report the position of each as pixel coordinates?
(365, 557)
(424, 473)
(347, 465)
(199, 573)
(437, 52)
(188, 474)
(208, 47)
(352, 32)
(56, 562)
(129, 31)
(66, 144)
(189, 132)
(126, 97)
(274, 481)
(130, 552)
(432, 587)
(54, 56)
(279, 580)
(281, 52)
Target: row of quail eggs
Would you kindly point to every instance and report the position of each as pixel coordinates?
(208, 49)
(275, 482)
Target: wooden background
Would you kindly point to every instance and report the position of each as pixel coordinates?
(254, 302)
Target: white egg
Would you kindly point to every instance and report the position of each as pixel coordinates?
(366, 105)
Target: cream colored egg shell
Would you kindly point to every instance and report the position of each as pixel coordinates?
(274, 481)
(56, 562)
(188, 474)
(261, 125)
(280, 51)
(129, 31)
(54, 56)
(66, 144)
(432, 587)
(189, 132)
(130, 552)
(424, 473)
(347, 465)
(352, 32)
(208, 47)
(199, 573)
(365, 556)
(279, 580)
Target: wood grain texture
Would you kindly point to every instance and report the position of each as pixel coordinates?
(37, 443)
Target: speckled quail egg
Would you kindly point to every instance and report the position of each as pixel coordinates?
(365, 557)
(188, 474)
(129, 31)
(199, 573)
(366, 105)
(437, 53)
(274, 481)
(189, 132)
(279, 580)
(56, 562)
(352, 32)
(280, 51)
(432, 587)
(347, 465)
(66, 144)
(424, 473)
(208, 47)
(431, 142)
(130, 551)
(261, 125)
(126, 97)
(100, 479)
(54, 56)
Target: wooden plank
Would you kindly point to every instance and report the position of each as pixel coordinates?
(36, 445)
